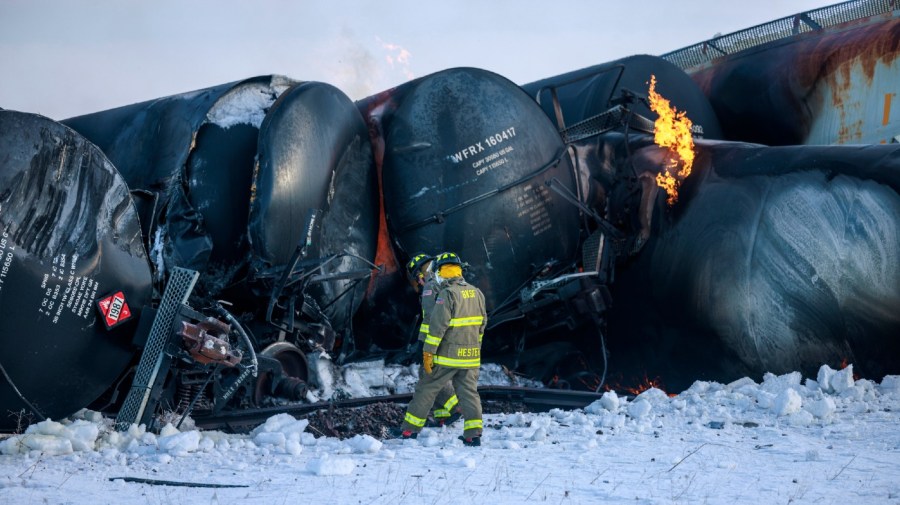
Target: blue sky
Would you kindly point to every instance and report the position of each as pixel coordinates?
(66, 58)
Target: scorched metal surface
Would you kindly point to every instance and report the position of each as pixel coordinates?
(194, 153)
(314, 153)
(468, 161)
(590, 91)
(70, 238)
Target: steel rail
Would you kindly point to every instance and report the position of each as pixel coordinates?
(536, 399)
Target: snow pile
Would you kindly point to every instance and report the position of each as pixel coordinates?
(782, 439)
(247, 103)
(54, 438)
(283, 433)
(365, 379)
(776, 400)
(364, 444)
(327, 465)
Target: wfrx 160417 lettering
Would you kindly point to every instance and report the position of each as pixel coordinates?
(479, 147)
(500, 137)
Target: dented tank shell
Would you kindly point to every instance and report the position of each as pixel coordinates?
(193, 154)
(70, 237)
(774, 259)
(314, 153)
(590, 91)
(468, 159)
(234, 171)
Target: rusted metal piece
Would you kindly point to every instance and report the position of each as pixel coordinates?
(829, 86)
(207, 342)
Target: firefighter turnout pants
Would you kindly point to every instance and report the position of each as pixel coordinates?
(465, 382)
(445, 401)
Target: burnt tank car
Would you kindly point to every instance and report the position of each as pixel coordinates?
(189, 160)
(774, 259)
(314, 212)
(237, 176)
(74, 275)
(466, 166)
(294, 179)
(584, 104)
(470, 163)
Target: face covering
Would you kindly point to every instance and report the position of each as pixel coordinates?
(431, 274)
(450, 271)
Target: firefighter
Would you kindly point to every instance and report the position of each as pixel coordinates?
(452, 350)
(446, 410)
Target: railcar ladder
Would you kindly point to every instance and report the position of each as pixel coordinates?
(179, 288)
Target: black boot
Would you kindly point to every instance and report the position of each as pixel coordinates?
(437, 422)
(453, 417)
(402, 434)
(471, 442)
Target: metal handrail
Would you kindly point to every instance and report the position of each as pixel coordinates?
(814, 20)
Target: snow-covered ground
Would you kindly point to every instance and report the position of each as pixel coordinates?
(828, 439)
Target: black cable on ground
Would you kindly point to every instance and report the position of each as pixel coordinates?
(21, 396)
(603, 350)
(158, 482)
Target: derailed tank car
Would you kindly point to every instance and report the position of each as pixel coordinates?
(285, 283)
(612, 98)
(314, 215)
(74, 276)
(469, 163)
(189, 160)
(713, 287)
(238, 175)
(774, 259)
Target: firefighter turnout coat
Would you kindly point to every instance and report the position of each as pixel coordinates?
(446, 399)
(429, 294)
(456, 325)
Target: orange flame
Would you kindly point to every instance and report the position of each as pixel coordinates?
(672, 130)
(646, 384)
(844, 364)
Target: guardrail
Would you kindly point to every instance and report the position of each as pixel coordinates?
(814, 20)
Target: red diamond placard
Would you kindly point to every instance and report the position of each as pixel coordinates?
(114, 309)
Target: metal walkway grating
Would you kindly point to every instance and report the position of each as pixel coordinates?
(704, 52)
(179, 288)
